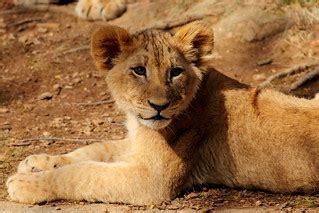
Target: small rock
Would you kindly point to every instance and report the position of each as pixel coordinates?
(68, 87)
(75, 74)
(284, 205)
(258, 203)
(36, 41)
(289, 209)
(45, 96)
(11, 37)
(259, 77)
(98, 122)
(67, 118)
(46, 134)
(42, 30)
(192, 195)
(77, 80)
(4, 110)
(264, 62)
(23, 39)
(57, 88)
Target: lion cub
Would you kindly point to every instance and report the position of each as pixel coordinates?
(187, 125)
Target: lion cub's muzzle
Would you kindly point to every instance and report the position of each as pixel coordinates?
(159, 108)
(160, 119)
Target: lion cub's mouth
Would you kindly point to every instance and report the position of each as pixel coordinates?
(157, 117)
(155, 122)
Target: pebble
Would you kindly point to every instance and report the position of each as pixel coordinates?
(264, 62)
(23, 39)
(67, 118)
(42, 30)
(75, 74)
(258, 203)
(4, 110)
(57, 88)
(259, 77)
(45, 96)
(68, 87)
(77, 80)
(192, 195)
(46, 134)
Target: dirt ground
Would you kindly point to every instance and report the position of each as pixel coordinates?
(52, 99)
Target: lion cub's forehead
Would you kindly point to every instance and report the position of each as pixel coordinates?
(154, 39)
(159, 45)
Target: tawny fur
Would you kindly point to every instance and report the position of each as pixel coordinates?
(217, 130)
(87, 9)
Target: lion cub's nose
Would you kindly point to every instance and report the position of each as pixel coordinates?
(159, 107)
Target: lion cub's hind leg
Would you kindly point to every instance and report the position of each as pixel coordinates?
(108, 151)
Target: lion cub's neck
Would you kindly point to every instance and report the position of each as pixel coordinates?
(132, 125)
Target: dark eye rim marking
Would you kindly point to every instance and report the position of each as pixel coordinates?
(139, 70)
(176, 71)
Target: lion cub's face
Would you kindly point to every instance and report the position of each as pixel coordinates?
(153, 75)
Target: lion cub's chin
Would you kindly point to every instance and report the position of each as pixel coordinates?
(155, 124)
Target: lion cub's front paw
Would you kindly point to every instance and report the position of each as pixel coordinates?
(42, 162)
(100, 9)
(30, 188)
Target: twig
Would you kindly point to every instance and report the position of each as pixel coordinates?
(80, 140)
(85, 47)
(15, 10)
(169, 24)
(284, 73)
(68, 10)
(25, 21)
(95, 103)
(23, 143)
(304, 79)
(176, 23)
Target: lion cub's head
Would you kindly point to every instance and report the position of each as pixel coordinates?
(153, 75)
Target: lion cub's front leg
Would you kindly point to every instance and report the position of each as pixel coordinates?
(106, 151)
(100, 9)
(92, 181)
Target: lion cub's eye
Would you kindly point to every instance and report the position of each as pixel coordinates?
(139, 70)
(176, 71)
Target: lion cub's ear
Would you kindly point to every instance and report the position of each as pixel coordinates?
(196, 41)
(106, 44)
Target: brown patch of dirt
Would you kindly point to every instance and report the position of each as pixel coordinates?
(49, 88)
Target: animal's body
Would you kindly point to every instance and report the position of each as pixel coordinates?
(188, 124)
